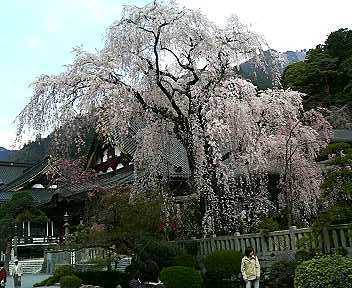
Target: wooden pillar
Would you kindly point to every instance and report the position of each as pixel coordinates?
(23, 232)
(66, 224)
(52, 228)
(29, 228)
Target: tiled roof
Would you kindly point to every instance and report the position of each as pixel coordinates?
(9, 171)
(39, 195)
(28, 175)
(127, 142)
(122, 176)
(173, 154)
(20, 174)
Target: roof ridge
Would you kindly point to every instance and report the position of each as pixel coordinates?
(16, 164)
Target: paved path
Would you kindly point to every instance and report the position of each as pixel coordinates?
(27, 280)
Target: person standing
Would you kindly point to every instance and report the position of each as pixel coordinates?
(135, 282)
(250, 268)
(17, 274)
(3, 274)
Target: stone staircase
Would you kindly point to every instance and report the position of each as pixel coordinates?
(30, 266)
(122, 264)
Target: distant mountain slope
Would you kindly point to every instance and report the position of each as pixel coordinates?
(32, 152)
(272, 65)
(5, 154)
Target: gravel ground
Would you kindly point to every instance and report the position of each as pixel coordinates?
(27, 280)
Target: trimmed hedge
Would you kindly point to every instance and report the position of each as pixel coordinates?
(106, 279)
(223, 264)
(181, 277)
(70, 281)
(327, 271)
(281, 274)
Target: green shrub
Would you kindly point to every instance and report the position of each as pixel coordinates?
(269, 224)
(281, 274)
(160, 252)
(307, 254)
(192, 247)
(47, 282)
(150, 271)
(186, 261)
(339, 214)
(63, 270)
(223, 264)
(106, 279)
(70, 281)
(327, 271)
(341, 251)
(334, 148)
(60, 271)
(181, 277)
(101, 263)
(337, 184)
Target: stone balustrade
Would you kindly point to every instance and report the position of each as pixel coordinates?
(273, 245)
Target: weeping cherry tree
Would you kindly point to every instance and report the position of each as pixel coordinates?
(175, 70)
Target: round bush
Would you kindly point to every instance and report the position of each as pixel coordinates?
(160, 252)
(281, 274)
(186, 261)
(328, 272)
(60, 270)
(71, 281)
(181, 277)
(223, 264)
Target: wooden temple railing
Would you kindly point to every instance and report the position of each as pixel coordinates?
(31, 234)
(31, 241)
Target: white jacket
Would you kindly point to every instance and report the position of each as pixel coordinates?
(250, 268)
(17, 270)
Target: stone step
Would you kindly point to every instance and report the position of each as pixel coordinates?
(122, 264)
(30, 266)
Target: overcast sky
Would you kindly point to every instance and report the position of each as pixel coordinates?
(37, 36)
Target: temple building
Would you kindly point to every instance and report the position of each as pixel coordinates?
(65, 205)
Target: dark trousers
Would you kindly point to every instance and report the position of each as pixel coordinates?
(17, 281)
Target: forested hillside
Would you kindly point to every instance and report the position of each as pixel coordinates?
(326, 76)
(32, 151)
(5, 154)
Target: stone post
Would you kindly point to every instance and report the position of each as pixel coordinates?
(15, 239)
(237, 241)
(66, 225)
(52, 228)
(293, 241)
(264, 241)
(47, 228)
